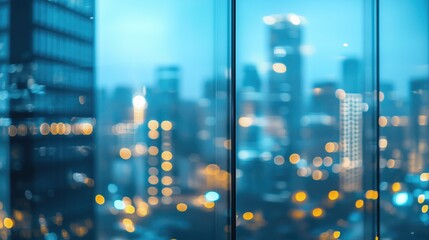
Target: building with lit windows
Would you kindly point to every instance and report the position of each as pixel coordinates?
(351, 142)
(50, 86)
(419, 125)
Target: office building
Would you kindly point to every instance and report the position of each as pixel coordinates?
(50, 67)
(285, 77)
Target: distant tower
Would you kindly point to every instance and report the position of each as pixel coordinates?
(324, 100)
(351, 70)
(285, 81)
(419, 123)
(351, 142)
(163, 121)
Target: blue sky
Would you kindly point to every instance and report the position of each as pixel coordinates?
(135, 36)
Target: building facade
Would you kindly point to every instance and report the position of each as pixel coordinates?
(50, 87)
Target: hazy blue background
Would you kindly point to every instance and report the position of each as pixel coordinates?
(135, 36)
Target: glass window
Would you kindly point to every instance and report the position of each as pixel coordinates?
(404, 99)
(304, 102)
(216, 119)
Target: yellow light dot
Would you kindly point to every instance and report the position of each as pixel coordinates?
(142, 212)
(166, 166)
(396, 187)
(125, 153)
(425, 208)
(45, 129)
(371, 194)
(167, 155)
(181, 207)
(99, 199)
(317, 175)
(423, 120)
(382, 121)
(382, 143)
(153, 134)
(209, 205)
(248, 216)
(317, 161)
(421, 198)
(212, 169)
(294, 158)
(396, 121)
(129, 209)
(359, 203)
(391, 163)
(300, 196)
(330, 147)
(328, 161)
(8, 223)
(130, 228)
(336, 234)
(279, 160)
(153, 150)
(12, 130)
(227, 144)
(279, 68)
(167, 192)
(317, 212)
(340, 94)
(333, 195)
(152, 191)
(153, 180)
(62, 128)
(153, 201)
(86, 128)
(140, 149)
(126, 200)
(167, 180)
(166, 125)
(153, 124)
(245, 122)
(424, 177)
(298, 214)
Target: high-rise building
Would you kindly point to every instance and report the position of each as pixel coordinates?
(419, 100)
(351, 71)
(162, 122)
(351, 122)
(285, 81)
(50, 64)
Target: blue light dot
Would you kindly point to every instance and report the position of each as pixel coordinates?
(112, 188)
(119, 205)
(400, 199)
(212, 196)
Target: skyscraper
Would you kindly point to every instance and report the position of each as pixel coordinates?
(351, 142)
(285, 82)
(351, 71)
(418, 125)
(50, 90)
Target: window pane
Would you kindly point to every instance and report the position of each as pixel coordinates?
(305, 113)
(162, 119)
(404, 132)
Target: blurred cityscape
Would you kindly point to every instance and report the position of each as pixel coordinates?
(79, 161)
